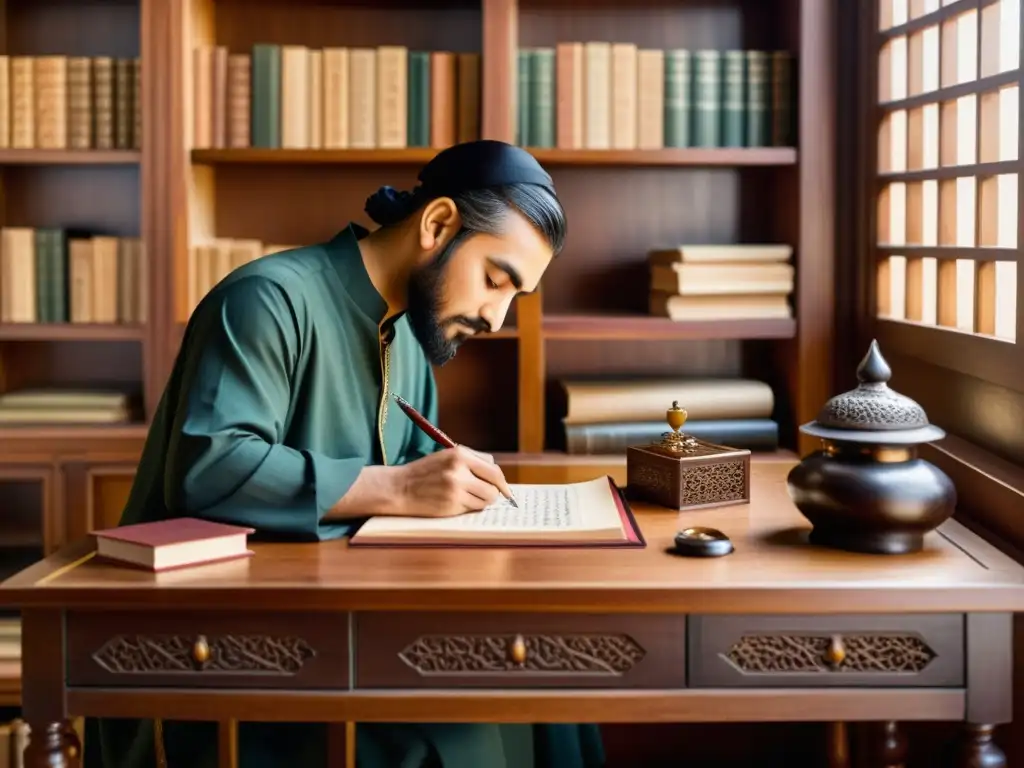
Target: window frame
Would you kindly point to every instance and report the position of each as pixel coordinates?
(989, 476)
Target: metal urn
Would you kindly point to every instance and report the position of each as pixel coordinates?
(867, 490)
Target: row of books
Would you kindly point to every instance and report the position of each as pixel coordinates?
(52, 275)
(295, 97)
(598, 95)
(210, 262)
(65, 407)
(70, 102)
(606, 416)
(721, 282)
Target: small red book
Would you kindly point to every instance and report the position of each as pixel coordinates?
(176, 543)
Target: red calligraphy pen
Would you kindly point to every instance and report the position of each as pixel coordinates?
(433, 432)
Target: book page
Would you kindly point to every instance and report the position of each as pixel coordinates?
(542, 508)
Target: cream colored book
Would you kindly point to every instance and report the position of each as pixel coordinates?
(590, 513)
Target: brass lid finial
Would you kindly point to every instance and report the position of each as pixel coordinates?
(676, 440)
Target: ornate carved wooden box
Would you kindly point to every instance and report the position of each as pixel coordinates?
(683, 472)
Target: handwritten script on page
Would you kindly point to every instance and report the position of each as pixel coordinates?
(540, 506)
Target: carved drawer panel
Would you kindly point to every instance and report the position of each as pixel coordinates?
(826, 651)
(202, 649)
(510, 650)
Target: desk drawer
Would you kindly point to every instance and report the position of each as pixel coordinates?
(205, 649)
(826, 651)
(510, 650)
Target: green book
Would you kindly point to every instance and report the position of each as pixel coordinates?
(678, 98)
(733, 78)
(757, 134)
(523, 98)
(418, 113)
(43, 276)
(542, 98)
(266, 96)
(707, 99)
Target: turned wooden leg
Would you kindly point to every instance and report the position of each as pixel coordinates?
(837, 741)
(977, 749)
(53, 745)
(882, 745)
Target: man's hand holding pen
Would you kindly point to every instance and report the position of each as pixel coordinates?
(450, 482)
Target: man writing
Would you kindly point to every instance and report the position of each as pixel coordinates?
(276, 416)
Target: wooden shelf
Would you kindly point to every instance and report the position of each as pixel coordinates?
(70, 332)
(690, 156)
(694, 156)
(413, 156)
(69, 157)
(83, 432)
(643, 327)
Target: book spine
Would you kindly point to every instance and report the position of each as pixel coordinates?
(541, 107)
(103, 102)
(44, 276)
(419, 99)
(757, 99)
(707, 99)
(58, 276)
(469, 97)
(678, 98)
(523, 64)
(782, 99)
(733, 78)
(266, 96)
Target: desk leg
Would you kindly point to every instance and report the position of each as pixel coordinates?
(989, 688)
(53, 742)
(977, 749)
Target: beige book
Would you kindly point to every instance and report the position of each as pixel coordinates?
(23, 110)
(5, 102)
(316, 99)
(18, 274)
(80, 279)
(244, 251)
(336, 98)
(444, 103)
(239, 98)
(590, 512)
(362, 89)
(142, 294)
(731, 307)
(104, 279)
(392, 98)
(103, 103)
(80, 103)
(127, 282)
(202, 97)
(219, 98)
(597, 125)
(569, 117)
(623, 96)
(295, 97)
(650, 93)
(707, 279)
(51, 80)
(621, 399)
(721, 254)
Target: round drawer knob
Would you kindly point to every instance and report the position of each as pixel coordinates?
(201, 650)
(518, 650)
(836, 653)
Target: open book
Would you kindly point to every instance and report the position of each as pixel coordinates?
(587, 514)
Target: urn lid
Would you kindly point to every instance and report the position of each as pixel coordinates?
(872, 412)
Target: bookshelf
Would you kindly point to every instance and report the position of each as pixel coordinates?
(589, 318)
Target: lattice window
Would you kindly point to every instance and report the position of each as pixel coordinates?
(948, 141)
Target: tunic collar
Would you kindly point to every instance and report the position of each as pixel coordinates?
(344, 249)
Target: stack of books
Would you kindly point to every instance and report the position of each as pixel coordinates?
(721, 282)
(599, 95)
(296, 97)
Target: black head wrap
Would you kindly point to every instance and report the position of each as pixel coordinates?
(460, 168)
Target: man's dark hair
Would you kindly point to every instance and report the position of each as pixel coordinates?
(481, 210)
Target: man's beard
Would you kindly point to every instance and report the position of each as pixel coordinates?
(425, 300)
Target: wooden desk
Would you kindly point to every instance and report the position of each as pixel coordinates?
(777, 631)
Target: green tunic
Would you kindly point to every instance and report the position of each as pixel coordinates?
(273, 407)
